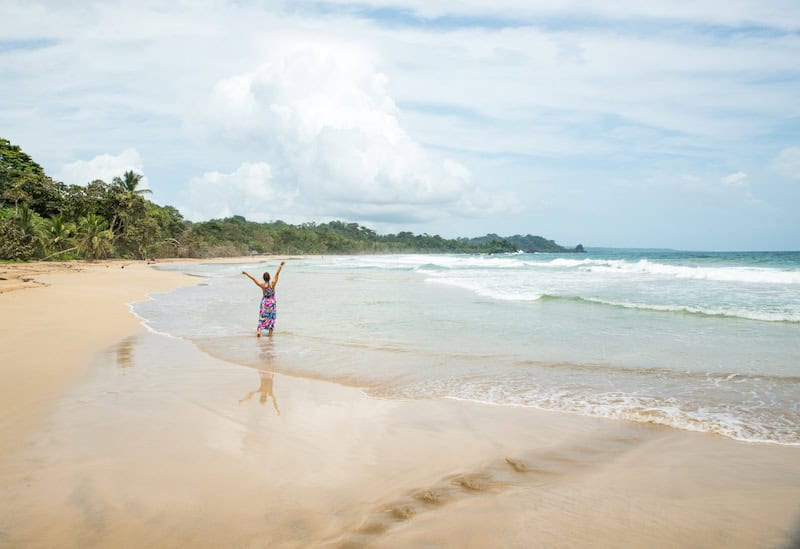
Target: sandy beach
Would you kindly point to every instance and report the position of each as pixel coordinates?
(53, 317)
(114, 436)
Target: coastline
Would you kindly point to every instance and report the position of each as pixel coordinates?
(102, 444)
(55, 315)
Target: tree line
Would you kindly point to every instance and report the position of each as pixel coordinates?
(41, 218)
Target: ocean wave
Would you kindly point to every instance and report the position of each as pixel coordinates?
(146, 322)
(423, 262)
(436, 264)
(522, 294)
(764, 428)
(753, 275)
(713, 378)
(685, 309)
(728, 423)
(473, 262)
(484, 289)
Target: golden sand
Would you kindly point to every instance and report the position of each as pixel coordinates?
(113, 436)
(49, 330)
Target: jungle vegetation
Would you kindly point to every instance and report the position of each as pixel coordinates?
(41, 218)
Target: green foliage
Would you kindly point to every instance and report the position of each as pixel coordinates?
(57, 235)
(14, 161)
(95, 239)
(129, 182)
(42, 218)
(13, 241)
(235, 236)
(139, 238)
(19, 233)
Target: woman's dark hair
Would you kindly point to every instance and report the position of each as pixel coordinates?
(266, 277)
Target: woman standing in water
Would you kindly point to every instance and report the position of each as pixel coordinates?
(266, 320)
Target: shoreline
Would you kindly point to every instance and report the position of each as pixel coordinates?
(22, 275)
(129, 432)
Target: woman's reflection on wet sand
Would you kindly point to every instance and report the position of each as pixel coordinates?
(265, 390)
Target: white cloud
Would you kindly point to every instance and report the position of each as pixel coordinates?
(737, 179)
(519, 94)
(321, 113)
(787, 163)
(246, 191)
(103, 166)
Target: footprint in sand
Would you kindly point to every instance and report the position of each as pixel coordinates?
(491, 479)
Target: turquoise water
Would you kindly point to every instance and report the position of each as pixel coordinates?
(700, 341)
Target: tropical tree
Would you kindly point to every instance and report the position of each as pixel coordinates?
(95, 239)
(140, 238)
(56, 236)
(16, 168)
(129, 209)
(15, 193)
(24, 218)
(129, 182)
(125, 202)
(14, 243)
(19, 233)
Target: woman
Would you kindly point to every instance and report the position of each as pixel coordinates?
(267, 314)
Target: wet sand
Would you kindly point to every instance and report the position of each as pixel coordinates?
(128, 438)
(53, 317)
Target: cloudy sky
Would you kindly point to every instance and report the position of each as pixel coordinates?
(627, 123)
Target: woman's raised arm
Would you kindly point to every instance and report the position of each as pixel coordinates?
(277, 274)
(256, 282)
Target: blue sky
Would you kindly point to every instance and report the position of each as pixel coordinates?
(669, 124)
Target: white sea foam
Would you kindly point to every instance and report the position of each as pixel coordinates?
(427, 262)
(473, 262)
(754, 275)
(146, 323)
(732, 313)
(486, 288)
(642, 267)
(754, 293)
(494, 290)
(564, 262)
(731, 423)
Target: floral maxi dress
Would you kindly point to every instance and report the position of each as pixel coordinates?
(266, 317)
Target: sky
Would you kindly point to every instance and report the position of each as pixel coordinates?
(671, 124)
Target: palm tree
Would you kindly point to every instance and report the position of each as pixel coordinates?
(23, 233)
(58, 233)
(24, 220)
(129, 181)
(127, 196)
(94, 237)
(57, 236)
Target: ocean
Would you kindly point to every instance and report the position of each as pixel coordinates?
(705, 342)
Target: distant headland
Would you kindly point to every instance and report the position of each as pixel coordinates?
(528, 244)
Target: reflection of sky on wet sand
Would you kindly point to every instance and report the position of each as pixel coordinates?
(161, 452)
(161, 433)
